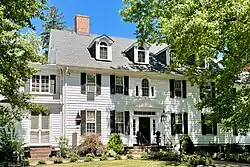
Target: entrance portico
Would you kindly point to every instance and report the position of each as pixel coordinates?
(146, 120)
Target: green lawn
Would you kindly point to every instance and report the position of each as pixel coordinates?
(119, 163)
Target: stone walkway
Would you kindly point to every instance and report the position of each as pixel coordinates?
(230, 164)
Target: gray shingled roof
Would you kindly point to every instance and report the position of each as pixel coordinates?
(69, 48)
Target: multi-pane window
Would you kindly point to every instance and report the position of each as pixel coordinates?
(178, 123)
(119, 120)
(141, 55)
(91, 83)
(45, 84)
(103, 50)
(90, 121)
(36, 83)
(145, 87)
(177, 88)
(119, 84)
(40, 83)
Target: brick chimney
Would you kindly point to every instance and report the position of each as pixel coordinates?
(82, 24)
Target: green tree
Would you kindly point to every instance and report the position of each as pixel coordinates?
(17, 50)
(202, 29)
(53, 21)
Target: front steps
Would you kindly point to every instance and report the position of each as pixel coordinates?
(40, 152)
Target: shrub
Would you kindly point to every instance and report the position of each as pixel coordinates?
(73, 157)
(103, 157)
(112, 153)
(130, 156)
(115, 143)
(187, 145)
(63, 146)
(144, 156)
(88, 159)
(91, 144)
(58, 161)
(165, 156)
(194, 160)
(90, 155)
(118, 157)
(41, 162)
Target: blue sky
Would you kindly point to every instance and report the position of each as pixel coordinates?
(104, 16)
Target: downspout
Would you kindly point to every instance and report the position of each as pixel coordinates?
(65, 101)
(62, 99)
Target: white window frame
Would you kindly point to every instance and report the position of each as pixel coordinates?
(182, 122)
(107, 50)
(90, 122)
(143, 51)
(177, 88)
(123, 115)
(145, 87)
(40, 84)
(87, 83)
(116, 84)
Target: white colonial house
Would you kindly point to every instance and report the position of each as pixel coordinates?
(113, 85)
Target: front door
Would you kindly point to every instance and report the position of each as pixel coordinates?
(40, 129)
(144, 128)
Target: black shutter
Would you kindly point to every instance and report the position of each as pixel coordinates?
(127, 123)
(215, 128)
(83, 83)
(235, 131)
(53, 84)
(136, 91)
(203, 125)
(201, 92)
(98, 122)
(112, 84)
(213, 89)
(83, 122)
(171, 88)
(185, 117)
(98, 84)
(173, 129)
(126, 85)
(184, 88)
(112, 121)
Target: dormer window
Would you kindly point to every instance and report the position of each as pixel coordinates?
(141, 55)
(138, 53)
(103, 50)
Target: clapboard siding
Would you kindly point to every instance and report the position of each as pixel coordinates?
(73, 102)
(106, 102)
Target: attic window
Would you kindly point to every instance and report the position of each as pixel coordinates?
(141, 55)
(103, 50)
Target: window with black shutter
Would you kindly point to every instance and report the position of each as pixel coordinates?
(207, 129)
(119, 84)
(178, 88)
(208, 90)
